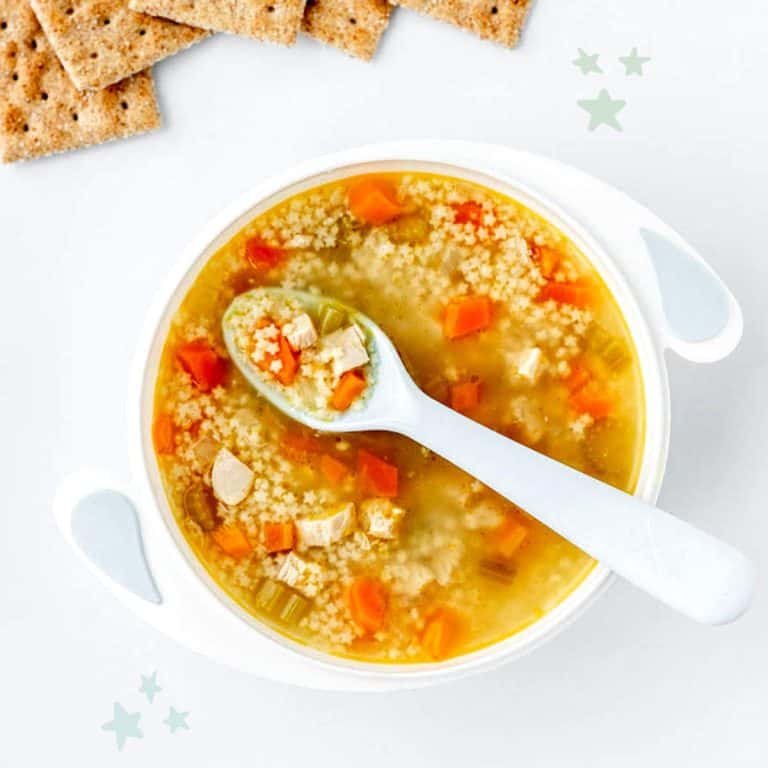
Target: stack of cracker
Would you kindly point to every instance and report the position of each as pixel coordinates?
(77, 72)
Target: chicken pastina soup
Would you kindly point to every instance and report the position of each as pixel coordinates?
(368, 545)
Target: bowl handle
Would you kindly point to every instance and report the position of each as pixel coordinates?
(703, 319)
(101, 523)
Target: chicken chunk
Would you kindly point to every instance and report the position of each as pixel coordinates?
(347, 348)
(300, 332)
(380, 518)
(301, 575)
(230, 478)
(328, 527)
(530, 364)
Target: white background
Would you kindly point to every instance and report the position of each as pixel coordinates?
(85, 239)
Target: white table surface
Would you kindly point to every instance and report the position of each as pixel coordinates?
(86, 237)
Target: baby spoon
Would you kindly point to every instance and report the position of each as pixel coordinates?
(680, 565)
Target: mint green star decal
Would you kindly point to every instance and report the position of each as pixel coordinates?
(124, 724)
(587, 63)
(176, 720)
(633, 64)
(603, 110)
(149, 686)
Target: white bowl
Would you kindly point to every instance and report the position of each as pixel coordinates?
(642, 261)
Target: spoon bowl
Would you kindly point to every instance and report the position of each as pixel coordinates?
(389, 382)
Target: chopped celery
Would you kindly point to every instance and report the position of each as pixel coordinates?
(331, 319)
(294, 610)
(608, 347)
(497, 570)
(410, 229)
(270, 597)
(280, 602)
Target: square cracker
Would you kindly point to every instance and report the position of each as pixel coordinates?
(497, 20)
(277, 21)
(101, 42)
(42, 112)
(354, 26)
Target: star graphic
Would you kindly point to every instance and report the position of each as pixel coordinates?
(603, 110)
(124, 724)
(176, 720)
(587, 63)
(149, 686)
(633, 64)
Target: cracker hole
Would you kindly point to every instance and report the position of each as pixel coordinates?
(70, 11)
(94, 55)
(25, 128)
(142, 32)
(33, 45)
(270, 9)
(494, 9)
(15, 76)
(75, 116)
(44, 96)
(124, 104)
(353, 21)
(3, 25)
(106, 22)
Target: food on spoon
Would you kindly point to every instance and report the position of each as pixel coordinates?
(323, 373)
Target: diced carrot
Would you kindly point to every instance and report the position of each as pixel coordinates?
(465, 396)
(508, 537)
(367, 602)
(586, 393)
(261, 255)
(373, 200)
(466, 315)
(298, 444)
(469, 212)
(578, 293)
(579, 377)
(334, 470)
(376, 475)
(547, 259)
(351, 385)
(590, 399)
(441, 633)
(232, 541)
(290, 361)
(288, 357)
(201, 362)
(163, 434)
(278, 537)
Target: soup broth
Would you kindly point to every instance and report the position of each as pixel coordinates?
(368, 545)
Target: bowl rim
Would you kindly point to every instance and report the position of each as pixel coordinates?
(304, 176)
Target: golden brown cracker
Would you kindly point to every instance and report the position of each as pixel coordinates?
(101, 42)
(497, 20)
(277, 21)
(42, 112)
(354, 26)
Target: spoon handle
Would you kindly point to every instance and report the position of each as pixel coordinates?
(682, 566)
